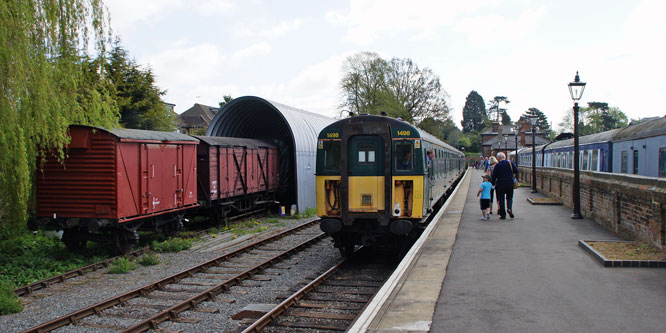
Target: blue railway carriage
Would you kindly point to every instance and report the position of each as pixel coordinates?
(641, 149)
(378, 179)
(595, 153)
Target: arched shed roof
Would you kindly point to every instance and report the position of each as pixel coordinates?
(294, 130)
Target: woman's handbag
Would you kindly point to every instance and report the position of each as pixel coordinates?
(515, 181)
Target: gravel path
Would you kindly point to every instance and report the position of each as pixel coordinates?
(47, 304)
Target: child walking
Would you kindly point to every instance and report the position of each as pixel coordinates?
(484, 191)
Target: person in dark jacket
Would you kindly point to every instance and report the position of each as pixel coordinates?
(503, 175)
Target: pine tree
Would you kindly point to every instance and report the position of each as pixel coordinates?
(474, 112)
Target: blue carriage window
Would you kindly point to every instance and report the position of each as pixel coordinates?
(635, 162)
(595, 160)
(623, 163)
(662, 162)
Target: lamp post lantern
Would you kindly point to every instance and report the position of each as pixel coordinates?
(533, 121)
(576, 89)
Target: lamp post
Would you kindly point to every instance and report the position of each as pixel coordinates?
(576, 89)
(533, 121)
(515, 136)
(506, 141)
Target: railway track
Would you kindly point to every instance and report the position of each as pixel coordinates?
(81, 271)
(146, 307)
(330, 302)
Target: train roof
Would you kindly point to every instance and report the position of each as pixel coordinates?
(641, 130)
(137, 134)
(392, 122)
(234, 142)
(606, 136)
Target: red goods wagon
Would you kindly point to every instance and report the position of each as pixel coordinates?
(112, 182)
(236, 174)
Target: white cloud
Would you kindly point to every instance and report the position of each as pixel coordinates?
(494, 28)
(214, 7)
(127, 13)
(254, 50)
(281, 28)
(368, 19)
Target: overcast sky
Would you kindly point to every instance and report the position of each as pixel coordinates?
(292, 51)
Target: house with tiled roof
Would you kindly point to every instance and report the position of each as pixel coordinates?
(507, 138)
(196, 119)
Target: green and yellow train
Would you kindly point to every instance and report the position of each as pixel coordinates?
(379, 179)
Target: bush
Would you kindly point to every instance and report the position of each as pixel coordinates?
(121, 266)
(148, 259)
(30, 258)
(9, 302)
(172, 245)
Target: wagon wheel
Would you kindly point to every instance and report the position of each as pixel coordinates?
(75, 239)
(171, 229)
(121, 241)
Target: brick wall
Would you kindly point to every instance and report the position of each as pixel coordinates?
(633, 207)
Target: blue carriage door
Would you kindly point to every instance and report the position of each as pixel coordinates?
(366, 173)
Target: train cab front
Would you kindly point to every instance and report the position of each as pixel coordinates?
(369, 181)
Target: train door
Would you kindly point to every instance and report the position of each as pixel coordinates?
(366, 173)
(170, 177)
(154, 178)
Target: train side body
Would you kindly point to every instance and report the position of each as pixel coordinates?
(235, 167)
(122, 178)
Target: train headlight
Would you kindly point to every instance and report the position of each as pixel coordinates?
(396, 209)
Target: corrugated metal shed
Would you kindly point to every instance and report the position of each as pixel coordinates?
(295, 131)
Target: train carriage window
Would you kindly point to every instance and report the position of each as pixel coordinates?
(595, 160)
(623, 164)
(635, 162)
(366, 153)
(585, 158)
(662, 162)
(404, 155)
(332, 155)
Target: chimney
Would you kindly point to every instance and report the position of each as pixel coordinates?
(495, 127)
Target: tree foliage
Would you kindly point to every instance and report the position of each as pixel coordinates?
(495, 112)
(47, 83)
(225, 99)
(398, 87)
(542, 120)
(137, 96)
(506, 119)
(594, 119)
(474, 113)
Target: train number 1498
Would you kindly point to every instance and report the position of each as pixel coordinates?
(404, 133)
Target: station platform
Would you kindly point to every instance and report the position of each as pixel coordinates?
(525, 274)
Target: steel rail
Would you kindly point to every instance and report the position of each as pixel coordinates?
(28, 289)
(97, 308)
(173, 312)
(266, 319)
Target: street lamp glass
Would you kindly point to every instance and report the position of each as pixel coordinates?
(533, 120)
(576, 88)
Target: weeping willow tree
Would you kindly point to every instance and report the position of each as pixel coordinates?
(48, 80)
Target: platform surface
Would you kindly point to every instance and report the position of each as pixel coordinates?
(526, 274)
